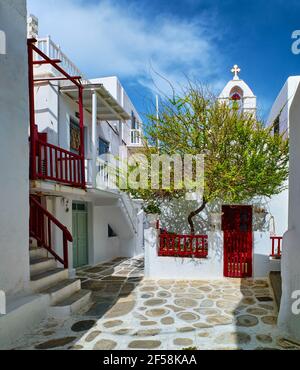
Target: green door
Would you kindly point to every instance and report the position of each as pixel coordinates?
(80, 235)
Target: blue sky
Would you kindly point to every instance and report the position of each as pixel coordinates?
(141, 40)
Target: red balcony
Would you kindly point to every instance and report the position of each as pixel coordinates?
(47, 161)
(58, 165)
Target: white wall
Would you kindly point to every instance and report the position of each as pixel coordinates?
(104, 248)
(287, 108)
(127, 244)
(283, 102)
(183, 268)
(291, 243)
(46, 109)
(14, 158)
(53, 113)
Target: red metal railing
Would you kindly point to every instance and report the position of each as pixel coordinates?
(41, 227)
(276, 246)
(173, 245)
(56, 164)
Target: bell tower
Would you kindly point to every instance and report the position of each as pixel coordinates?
(238, 93)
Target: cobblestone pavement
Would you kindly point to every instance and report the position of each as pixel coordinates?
(129, 312)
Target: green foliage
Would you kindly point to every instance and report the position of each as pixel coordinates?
(243, 159)
(152, 208)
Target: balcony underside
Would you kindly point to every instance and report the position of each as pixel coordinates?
(53, 188)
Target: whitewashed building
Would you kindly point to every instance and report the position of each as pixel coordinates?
(20, 308)
(105, 223)
(66, 213)
(285, 116)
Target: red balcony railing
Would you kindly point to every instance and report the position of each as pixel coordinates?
(276, 246)
(41, 227)
(173, 245)
(59, 165)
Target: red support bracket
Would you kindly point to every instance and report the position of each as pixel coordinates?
(56, 79)
(39, 62)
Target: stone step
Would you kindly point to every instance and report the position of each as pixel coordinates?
(38, 253)
(276, 283)
(23, 314)
(63, 290)
(33, 243)
(74, 303)
(40, 264)
(47, 279)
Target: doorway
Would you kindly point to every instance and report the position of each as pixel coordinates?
(80, 234)
(238, 241)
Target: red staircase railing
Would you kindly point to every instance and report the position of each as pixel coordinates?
(173, 245)
(276, 246)
(41, 226)
(57, 164)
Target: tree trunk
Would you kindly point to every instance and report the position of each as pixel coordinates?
(194, 214)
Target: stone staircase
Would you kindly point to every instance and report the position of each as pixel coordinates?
(65, 295)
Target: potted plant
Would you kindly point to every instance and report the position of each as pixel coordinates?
(261, 214)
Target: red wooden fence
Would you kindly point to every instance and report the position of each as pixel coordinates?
(173, 245)
(41, 227)
(276, 246)
(59, 165)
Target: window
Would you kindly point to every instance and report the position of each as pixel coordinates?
(111, 233)
(74, 136)
(103, 146)
(133, 121)
(82, 207)
(277, 126)
(236, 98)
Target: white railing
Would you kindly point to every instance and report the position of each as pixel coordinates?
(128, 205)
(53, 51)
(105, 179)
(103, 174)
(136, 137)
(89, 172)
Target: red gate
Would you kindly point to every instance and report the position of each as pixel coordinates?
(238, 241)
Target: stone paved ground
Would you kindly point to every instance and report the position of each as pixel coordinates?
(129, 312)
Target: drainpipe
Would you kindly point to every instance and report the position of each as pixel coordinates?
(94, 138)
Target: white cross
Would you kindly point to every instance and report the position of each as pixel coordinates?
(236, 70)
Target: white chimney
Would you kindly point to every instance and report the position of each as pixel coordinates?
(32, 27)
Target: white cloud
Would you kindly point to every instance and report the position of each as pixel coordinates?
(108, 39)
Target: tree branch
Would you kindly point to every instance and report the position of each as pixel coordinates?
(194, 214)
